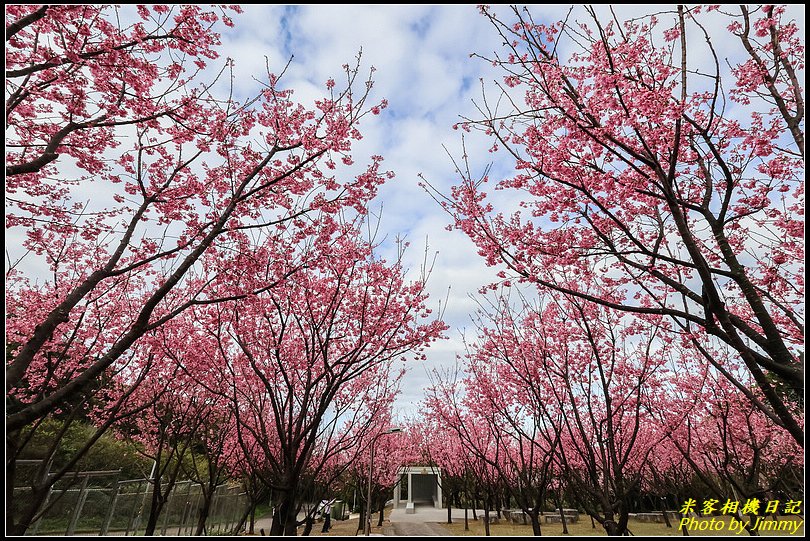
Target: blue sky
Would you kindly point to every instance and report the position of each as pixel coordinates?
(423, 68)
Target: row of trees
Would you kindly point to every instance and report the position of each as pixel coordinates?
(202, 281)
(569, 403)
(658, 237)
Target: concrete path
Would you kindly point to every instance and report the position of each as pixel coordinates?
(416, 529)
(426, 521)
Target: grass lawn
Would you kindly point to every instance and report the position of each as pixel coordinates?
(583, 527)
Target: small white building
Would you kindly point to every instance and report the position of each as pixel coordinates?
(424, 487)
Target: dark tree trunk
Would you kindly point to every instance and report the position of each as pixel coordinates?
(309, 522)
(562, 515)
(208, 496)
(382, 513)
(486, 517)
(26, 508)
(281, 515)
(685, 530)
(611, 528)
(155, 506)
(535, 518)
(11, 463)
(291, 527)
(664, 512)
(361, 526)
(624, 517)
(466, 520)
(284, 519)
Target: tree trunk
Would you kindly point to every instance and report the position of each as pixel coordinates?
(155, 506)
(611, 528)
(486, 517)
(562, 515)
(279, 517)
(284, 519)
(309, 522)
(361, 526)
(382, 513)
(466, 520)
(664, 512)
(685, 530)
(26, 508)
(535, 518)
(291, 520)
(11, 464)
(208, 497)
(624, 517)
(30, 510)
(449, 510)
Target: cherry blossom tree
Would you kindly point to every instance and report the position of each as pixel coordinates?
(436, 444)
(310, 361)
(476, 446)
(167, 429)
(171, 173)
(497, 400)
(185, 426)
(559, 391)
(735, 451)
(654, 165)
(118, 405)
(392, 451)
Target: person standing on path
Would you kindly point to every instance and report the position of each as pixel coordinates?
(326, 509)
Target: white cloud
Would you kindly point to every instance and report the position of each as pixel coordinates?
(423, 68)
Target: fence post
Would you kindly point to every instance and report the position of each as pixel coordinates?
(105, 526)
(131, 522)
(216, 503)
(186, 512)
(194, 508)
(35, 529)
(149, 483)
(78, 509)
(167, 508)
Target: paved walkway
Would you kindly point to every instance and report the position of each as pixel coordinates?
(426, 521)
(416, 529)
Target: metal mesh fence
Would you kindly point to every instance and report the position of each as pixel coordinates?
(97, 503)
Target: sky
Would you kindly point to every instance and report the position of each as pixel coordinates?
(421, 56)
